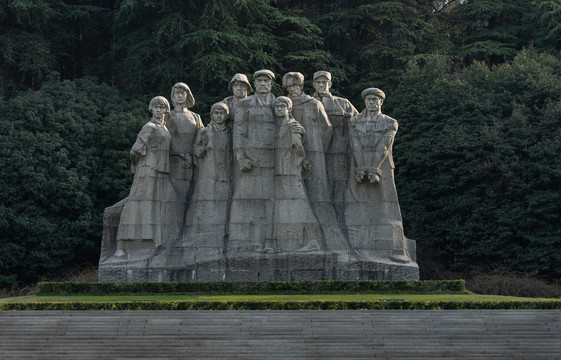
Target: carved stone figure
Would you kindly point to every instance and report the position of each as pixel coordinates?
(208, 214)
(310, 114)
(254, 135)
(339, 111)
(183, 126)
(251, 199)
(296, 227)
(147, 209)
(372, 210)
(240, 87)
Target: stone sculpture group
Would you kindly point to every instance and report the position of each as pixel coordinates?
(289, 188)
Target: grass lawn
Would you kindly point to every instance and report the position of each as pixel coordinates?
(460, 297)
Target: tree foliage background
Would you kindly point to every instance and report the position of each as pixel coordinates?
(475, 85)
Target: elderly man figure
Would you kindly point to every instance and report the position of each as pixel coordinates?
(339, 111)
(372, 211)
(183, 125)
(254, 134)
(240, 87)
(310, 113)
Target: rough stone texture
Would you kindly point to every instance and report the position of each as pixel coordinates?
(265, 197)
(240, 87)
(337, 159)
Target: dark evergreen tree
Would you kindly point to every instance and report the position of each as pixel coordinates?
(493, 30)
(477, 173)
(204, 43)
(63, 158)
(373, 40)
(550, 24)
(39, 37)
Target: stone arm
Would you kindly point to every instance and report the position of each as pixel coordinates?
(201, 143)
(384, 145)
(173, 150)
(239, 137)
(296, 138)
(357, 153)
(187, 159)
(187, 156)
(350, 109)
(294, 127)
(327, 129)
(140, 146)
(383, 148)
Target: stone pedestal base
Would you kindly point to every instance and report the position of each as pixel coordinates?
(263, 267)
(144, 262)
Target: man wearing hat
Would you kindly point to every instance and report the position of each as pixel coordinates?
(254, 134)
(372, 186)
(309, 112)
(240, 87)
(339, 111)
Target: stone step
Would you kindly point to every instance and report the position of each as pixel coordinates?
(433, 334)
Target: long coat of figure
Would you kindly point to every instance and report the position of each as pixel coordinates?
(310, 113)
(296, 227)
(183, 125)
(339, 111)
(208, 212)
(372, 210)
(147, 211)
(251, 216)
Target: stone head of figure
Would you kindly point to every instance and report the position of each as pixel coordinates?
(240, 86)
(219, 113)
(373, 100)
(263, 81)
(293, 82)
(159, 106)
(322, 82)
(182, 95)
(283, 106)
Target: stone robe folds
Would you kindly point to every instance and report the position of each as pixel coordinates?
(208, 213)
(339, 111)
(311, 115)
(251, 216)
(296, 226)
(372, 211)
(183, 126)
(147, 212)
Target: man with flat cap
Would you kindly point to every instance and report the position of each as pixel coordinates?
(254, 134)
(240, 87)
(309, 112)
(339, 111)
(372, 211)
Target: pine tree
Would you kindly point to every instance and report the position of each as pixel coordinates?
(493, 30)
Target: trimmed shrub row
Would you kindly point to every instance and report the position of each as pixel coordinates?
(289, 305)
(257, 287)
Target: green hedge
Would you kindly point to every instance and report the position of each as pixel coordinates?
(257, 287)
(289, 305)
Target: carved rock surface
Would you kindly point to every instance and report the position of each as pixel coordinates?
(264, 195)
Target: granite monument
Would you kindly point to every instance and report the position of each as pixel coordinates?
(274, 188)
